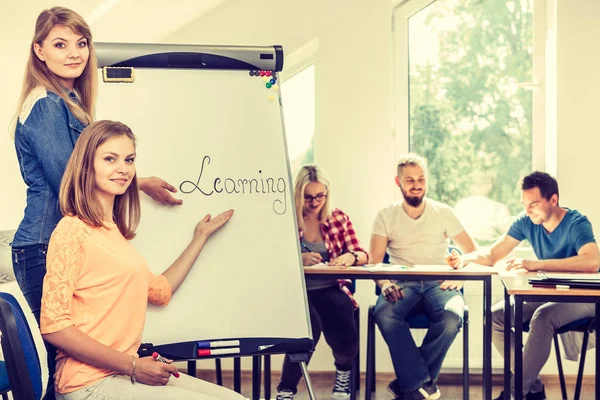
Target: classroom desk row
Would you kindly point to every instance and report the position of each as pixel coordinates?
(516, 285)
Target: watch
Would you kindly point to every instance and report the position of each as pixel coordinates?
(355, 254)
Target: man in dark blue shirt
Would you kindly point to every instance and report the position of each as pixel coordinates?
(562, 240)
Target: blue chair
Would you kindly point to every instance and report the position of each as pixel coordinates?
(415, 321)
(585, 325)
(21, 357)
(4, 383)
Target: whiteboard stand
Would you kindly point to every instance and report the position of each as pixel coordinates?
(209, 120)
(311, 392)
(302, 358)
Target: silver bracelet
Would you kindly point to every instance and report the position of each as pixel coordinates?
(133, 373)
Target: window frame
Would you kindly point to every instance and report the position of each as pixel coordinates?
(297, 62)
(543, 139)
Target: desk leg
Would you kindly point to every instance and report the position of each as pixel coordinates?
(507, 350)
(518, 347)
(487, 338)
(597, 353)
(237, 375)
(191, 368)
(256, 373)
(267, 374)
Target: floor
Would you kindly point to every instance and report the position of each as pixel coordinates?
(322, 384)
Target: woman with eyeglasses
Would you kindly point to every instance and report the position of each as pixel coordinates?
(326, 236)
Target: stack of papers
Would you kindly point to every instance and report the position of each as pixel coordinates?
(577, 276)
(566, 281)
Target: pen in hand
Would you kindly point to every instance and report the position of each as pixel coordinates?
(158, 357)
(453, 259)
(315, 258)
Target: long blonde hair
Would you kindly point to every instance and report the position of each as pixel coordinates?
(308, 174)
(77, 191)
(37, 73)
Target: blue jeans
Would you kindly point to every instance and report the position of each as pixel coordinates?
(414, 365)
(29, 265)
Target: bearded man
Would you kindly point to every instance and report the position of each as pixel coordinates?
(417, 231)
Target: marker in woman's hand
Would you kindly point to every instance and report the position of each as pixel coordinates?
(158, 357)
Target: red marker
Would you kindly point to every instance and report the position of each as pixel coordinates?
(215, 352)
(158, 357)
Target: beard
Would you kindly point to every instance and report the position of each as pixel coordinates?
(413, 201)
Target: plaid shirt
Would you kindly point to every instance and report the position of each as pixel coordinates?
(339, 235)
(340, 238)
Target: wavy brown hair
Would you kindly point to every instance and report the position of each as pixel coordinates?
(78, 188)
(37, 73)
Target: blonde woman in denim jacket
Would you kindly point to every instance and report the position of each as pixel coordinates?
(57, 102)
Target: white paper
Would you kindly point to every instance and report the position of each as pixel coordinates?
(384, 267)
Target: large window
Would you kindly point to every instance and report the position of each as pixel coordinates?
(298, 96)
(469, 108)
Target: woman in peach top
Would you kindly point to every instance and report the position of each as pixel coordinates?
(97, 285)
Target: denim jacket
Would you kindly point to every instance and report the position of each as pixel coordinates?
(45, 136)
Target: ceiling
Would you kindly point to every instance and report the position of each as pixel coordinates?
(142, 21)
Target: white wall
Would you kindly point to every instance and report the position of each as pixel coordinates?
(578, 88)
(578, 130)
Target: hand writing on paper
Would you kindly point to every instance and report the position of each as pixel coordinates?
(452, 285)
(158, 190)
(153, 373)
(208, 225)
(454, 260)
(391, 291)
(344, 260)
(311, 258)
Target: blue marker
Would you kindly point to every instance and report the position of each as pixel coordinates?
(207, 344)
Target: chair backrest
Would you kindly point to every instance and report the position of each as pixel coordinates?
(20, 354)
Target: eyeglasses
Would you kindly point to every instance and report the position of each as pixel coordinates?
(319, 197)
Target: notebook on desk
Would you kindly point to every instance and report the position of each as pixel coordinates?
(566, 281)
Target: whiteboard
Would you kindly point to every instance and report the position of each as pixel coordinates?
(218, 137)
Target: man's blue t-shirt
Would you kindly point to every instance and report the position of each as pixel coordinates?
(574, 231)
